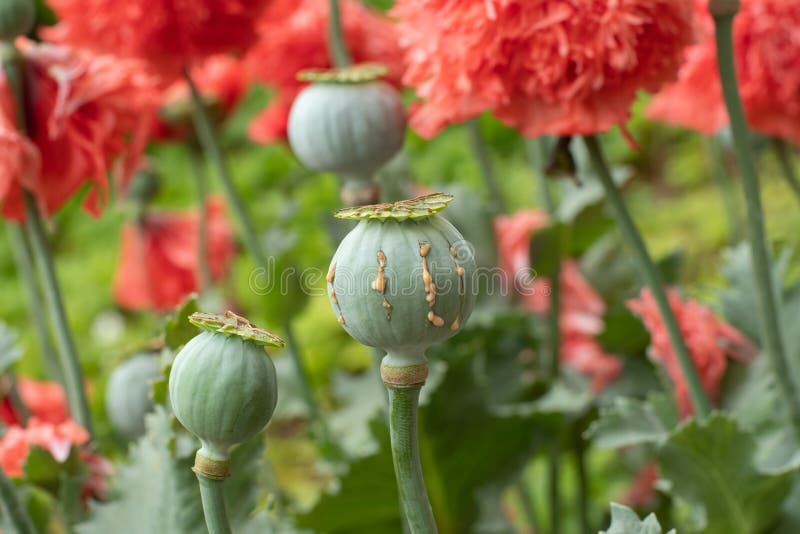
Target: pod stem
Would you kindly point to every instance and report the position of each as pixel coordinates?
(21, 252)
(724, 12)
(204, 276)
(213, 497)
(783, 152)
(651, 276)
(403, 405)
(719, 171)
(340, 55)
(16, 512)
(481, 152)
(43, 259)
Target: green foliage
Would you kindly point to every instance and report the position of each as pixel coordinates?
(178, 330)
(625, 521)
(712, 466)
(630, 422)
(10, 351)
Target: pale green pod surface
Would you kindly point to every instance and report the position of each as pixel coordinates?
(223, 389)
(128, 394)
(402, 284)
(351, 129)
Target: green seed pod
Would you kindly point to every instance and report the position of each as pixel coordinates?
(17, 17)
(222, 385)
(402, 279)
(347, 122)
(128, 393)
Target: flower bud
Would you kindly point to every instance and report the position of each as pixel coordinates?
(222, 385)
(402, 279)
(17, 17)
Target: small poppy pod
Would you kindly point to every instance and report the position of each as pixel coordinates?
(403, 278)
(347, 122)
(128, 393)
(17, 17)
(223, 385)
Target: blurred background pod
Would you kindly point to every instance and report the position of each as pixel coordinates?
(128, 397)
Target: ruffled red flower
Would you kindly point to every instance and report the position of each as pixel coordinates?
(710, 342)
(293, 37)
(766, 53)
(57, 439)
(170, 35)
(221, 81)
(45, 400)
(581, 307)
(563, 67)
(158, 264)
(87, 117)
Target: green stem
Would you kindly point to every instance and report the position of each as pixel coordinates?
(68, 353)
(719, 171)
(336, 42)
(17, 514)
(783, 152)
(480, 151)
(16, 399)
(583, 484)
(651, 276)
(204, 276)
(21, 252)
(211, 493)
(554, 488)
(213, 151)
(403, 404)
(526, 502)
(768, 308)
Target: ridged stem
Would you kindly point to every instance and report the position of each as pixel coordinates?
(204, 277)
(651, 275)
(403, 405)
(213, 151)
(43, 260)
(213, 497)
(67, 352)
(767, 305)
(21, 253)
(719, 171)
(784, 155)
(479, 149)
(15, 511)
(340, 55)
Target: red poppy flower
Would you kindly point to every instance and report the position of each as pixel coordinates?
(57, 439)
(169, 35)
(293, 37)
(581, 307)
(220, 79)
(710, 342)
(766, 53)
(45, 400)
(88, 116)
(563, 67)
(641, 493)
(157, 266)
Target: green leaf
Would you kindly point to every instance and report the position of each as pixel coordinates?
(366, 500)
(634, 422)
(10, 351)
(178, 330)
(242, 488)
(155, 492)
(712, 465)
(625, 521)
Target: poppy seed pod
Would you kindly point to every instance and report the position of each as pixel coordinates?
(347, 122)
(402, 279)
(128, 393)
(17, 17)
(222, 385)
